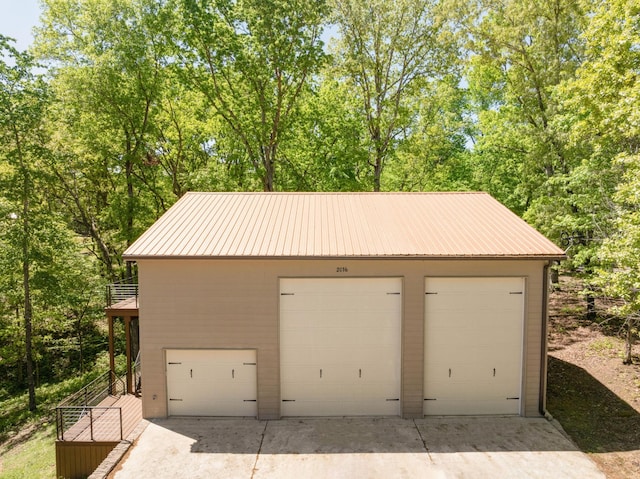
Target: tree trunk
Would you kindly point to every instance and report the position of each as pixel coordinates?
(28, 312)
(80, 348)
(26, 276)
(89, 222)
(591, 300)
(267, 181)
(130, 208)
(377, 169)
(378, 160)
(555, 273)
(628, 346)
(268, 161)
(591, 307)
(377, 172)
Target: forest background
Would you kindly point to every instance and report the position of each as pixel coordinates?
(122, 106)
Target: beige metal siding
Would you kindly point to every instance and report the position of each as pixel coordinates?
(313, 225)
(210, 303)
(533, 335)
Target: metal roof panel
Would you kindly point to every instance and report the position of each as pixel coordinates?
(315, 225)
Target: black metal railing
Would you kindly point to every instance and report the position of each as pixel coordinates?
(125, 289)
(102, 423)
(75, 407)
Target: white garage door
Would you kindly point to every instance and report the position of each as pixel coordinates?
(340, 346)
(473, 345)
(211, 382)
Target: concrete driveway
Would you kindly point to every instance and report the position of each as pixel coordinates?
(361, 448)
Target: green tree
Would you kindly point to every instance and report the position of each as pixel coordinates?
(619, 274)
(601, 106)
(112, 119)
(325, 152)
(432, 155)
(252, 60)
(386, 50)
(47, 285)
(23, 96)
(519, 53)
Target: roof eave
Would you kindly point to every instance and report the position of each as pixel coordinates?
(541, 256)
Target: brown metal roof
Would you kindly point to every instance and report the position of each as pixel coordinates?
(313, 225)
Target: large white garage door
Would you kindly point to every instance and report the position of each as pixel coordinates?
(473, 345)
(340, 346)
(211, 382)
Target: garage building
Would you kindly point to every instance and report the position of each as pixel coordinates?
(342, 304)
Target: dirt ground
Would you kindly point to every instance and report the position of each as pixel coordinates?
(590, 392)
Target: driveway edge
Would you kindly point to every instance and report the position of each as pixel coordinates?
(118, 452)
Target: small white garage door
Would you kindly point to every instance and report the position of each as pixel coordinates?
(211, 382)
(340, 346)
(473, 345)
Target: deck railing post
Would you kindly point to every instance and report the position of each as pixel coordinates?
(60, 424)
(91, 422)
(120, 410)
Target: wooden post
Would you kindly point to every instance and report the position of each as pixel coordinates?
(127, 330)
(112, 360)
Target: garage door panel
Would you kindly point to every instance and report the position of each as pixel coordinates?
(378, 390)
(244, 374)
(297, 373)
(483, 304)
(298, 336)
(356, 303)
(458, 285)
(338, 374)
(339, 337)
(383, 371)
(212, 382)
(473, 345)
(497, 354)
(232, 393)
(451, 390)
(321, 287)
(352, 328)
(469, 388)
(451, 373)
(302, 391)
(342, 407)
(300, 407)
(370, 356)
(482, 407)
(377, 333)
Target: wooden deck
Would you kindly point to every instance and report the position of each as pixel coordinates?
(103, 424)
(129, 305)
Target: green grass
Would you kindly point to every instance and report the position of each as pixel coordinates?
(572, 310)
(27, 439)
(32, 459)
(608, 346)
(14, 411)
